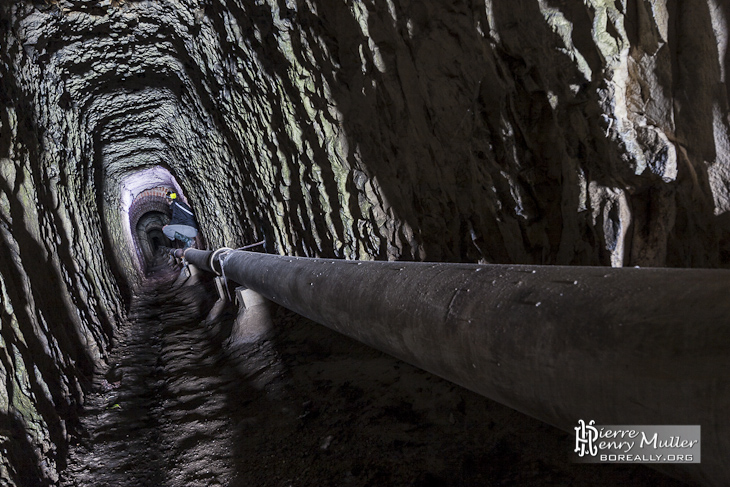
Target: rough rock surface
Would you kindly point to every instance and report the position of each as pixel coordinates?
(527, 131)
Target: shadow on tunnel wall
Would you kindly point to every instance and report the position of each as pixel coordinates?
(21, 456)
(482, 135)
(48, 389)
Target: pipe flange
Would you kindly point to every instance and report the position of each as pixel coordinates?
(215, 255)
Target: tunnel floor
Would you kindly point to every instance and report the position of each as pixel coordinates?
(305, 407)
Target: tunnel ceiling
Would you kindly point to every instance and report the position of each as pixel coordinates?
(365, 131)
(528, 131)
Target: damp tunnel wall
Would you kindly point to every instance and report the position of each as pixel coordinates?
(528, 131)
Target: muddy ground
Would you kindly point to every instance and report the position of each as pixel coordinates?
(180, 407)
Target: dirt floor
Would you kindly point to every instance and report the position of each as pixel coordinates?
(182, 407)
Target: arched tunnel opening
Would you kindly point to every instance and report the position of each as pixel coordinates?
(150, 213)
(150, 236)
(546, 150)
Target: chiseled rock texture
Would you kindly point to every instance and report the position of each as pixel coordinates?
(526, 131)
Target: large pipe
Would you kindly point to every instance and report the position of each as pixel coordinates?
(618, 346)
(206, 260)
(199, 258)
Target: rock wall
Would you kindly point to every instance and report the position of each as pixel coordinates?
(58, 292)
(528, 131)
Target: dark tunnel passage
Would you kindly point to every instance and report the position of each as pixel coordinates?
(524, 132)
(149, 234)
(157, 241)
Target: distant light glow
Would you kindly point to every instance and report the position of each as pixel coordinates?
(131, 187)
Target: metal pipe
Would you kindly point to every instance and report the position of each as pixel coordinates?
(199, 258)
(177, 253)
(619, 346)
(206, 259)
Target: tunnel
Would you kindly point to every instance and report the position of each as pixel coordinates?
(577, 140)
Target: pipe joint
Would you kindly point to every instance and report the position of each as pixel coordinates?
(215, 258)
